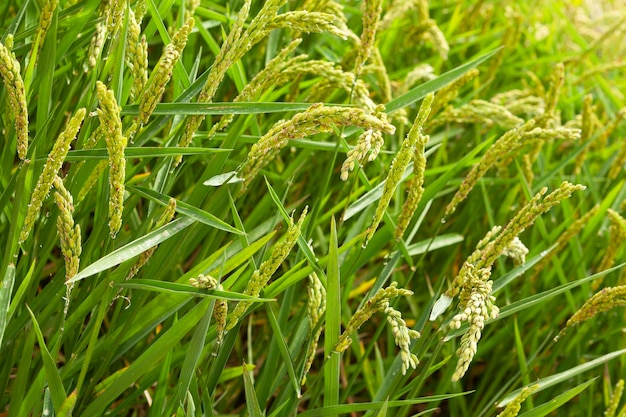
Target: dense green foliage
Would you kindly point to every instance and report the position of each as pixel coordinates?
(124, 248)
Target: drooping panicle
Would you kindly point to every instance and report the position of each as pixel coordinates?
(50, 169)
(400, 163)
(261, 276)
(401, 333)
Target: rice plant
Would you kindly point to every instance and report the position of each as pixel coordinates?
(312, 208)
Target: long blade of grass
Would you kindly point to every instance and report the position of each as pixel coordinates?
(68, 405)
(357, 407)
(130, 153)
(134, 248)
(193, 354)
(547, 408)
(332, 322)
(145, 362)
(439, 242)
(185, 209)
(55, 383)
(283, 348)
(175, 288)
(187, 109)
(547, 382)
(5, 298)
(252, 402)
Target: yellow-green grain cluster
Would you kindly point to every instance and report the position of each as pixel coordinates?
(520, 102)
(274, 74)
(605, 300)
(335, 77)
(417, 74)
(572, 230)
(115, 15)
(96, 45)
(431, 30)
(482, 112)
(476, 304)
(500, 239)
(516, 250)
(552, 96)
(220, 314)
(69, 233)
(504, 147)
(281, 70)
(136, 55)
(510, 41)
(400, 162)
(395, 12)
(109, 115)
(513, 408)
(240, 41)
(549, 119)
(565, 134)
(50, 169)
(261, 276)
(589, 118)
(307, 22)
(367, 148)
(141, 8)
(599, 69)
(220, 308)
(162, 73)
(45, 19)
(371, 15)
(316, 306)
(166, 217)
(588, 123)
(401, 333)
(317, 119)
(16, 96)
(230, 51)
(616, 397)
(415, 188)
(524, 218)
(329, 6)
(367, 144)
(451, 91)
(617, 237)
(190, 8)
(92, 179)
(617, 167)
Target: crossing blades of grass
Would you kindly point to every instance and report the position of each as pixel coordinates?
(188, 210)
(435, 84)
